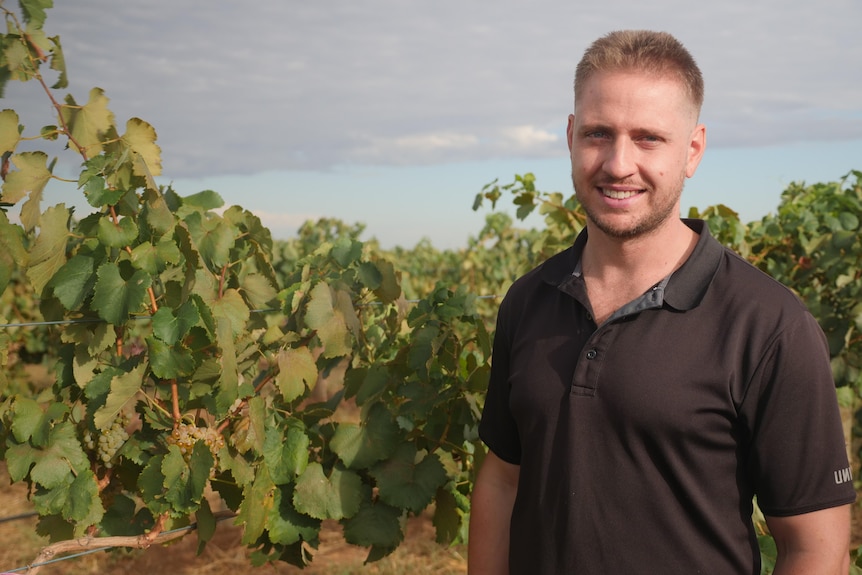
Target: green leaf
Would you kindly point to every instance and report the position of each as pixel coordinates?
(409, 480)
(19, 459)
(9, 134)
(49, 253)
(124, 387)
(118, 235)
(231, 307)
(205, 200)
(360, 446)
(34, 11)
(258, 290)
(297, 372)
(186, 482)
(285, 453)
(258, 500)
(99, 195)
(63, 455)
(83, 505)
(170, 326)
(346, 251)
(330, 323)
(74, 281)
(286, 525)
(26, 418)
(389, 289)
(448, 519)
(115, 298)
(206, 524)
(335, 497)
(170, 361)
(376, 524)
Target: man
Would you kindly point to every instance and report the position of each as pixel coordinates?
(647, 383)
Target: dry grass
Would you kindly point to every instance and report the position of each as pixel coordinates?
(224, 555)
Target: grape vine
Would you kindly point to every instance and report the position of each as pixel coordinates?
(185, 361)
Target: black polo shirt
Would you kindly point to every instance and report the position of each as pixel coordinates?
(641, 442)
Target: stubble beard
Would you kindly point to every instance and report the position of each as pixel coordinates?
(645, 224)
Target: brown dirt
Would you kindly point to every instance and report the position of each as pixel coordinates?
(419, 554)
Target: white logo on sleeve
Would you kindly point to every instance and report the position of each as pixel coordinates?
(843, 476)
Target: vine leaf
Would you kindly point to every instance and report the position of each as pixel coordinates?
(49, 253)
(286, 525)
(87, 124)
(170, 326)
(360, 446)
(73, 282)
(114, 298)
(118, 235)
(328, 314)
(297, 372)
(335, 497)
(409, 480)
(258, 499)
(63, 454)
(124, 386)
(286, 455)
(140, 136)
(83, 504)
(30, 177)
(9, 135)
(185, 482)
(376, 524)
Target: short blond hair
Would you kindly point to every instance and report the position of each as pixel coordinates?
(657, 53)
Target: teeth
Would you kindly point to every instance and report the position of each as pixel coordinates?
(619, 195)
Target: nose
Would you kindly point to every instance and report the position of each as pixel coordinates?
(619, 161)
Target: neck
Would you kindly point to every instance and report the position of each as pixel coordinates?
(646, 258)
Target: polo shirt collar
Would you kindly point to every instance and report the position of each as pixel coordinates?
(686, 286)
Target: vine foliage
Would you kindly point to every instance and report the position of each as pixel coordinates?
(190, 377)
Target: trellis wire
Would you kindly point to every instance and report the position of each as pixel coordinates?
(145, 317)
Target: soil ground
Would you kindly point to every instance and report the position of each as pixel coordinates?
(224, 554)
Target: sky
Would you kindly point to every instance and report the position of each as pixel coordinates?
(395, 113)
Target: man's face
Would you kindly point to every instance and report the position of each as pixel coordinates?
(633, 139)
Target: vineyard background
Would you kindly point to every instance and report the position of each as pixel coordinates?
(165, 361)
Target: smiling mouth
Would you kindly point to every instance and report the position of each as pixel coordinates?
(619, 194)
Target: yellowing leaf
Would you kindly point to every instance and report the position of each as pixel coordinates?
(141, 139)
(297, 372)
(31, 176)
(89, 123)
(9, 135)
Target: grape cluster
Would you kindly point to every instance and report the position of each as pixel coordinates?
(109, 441)
(185, 435)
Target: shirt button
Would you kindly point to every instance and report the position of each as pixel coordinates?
(592, 354)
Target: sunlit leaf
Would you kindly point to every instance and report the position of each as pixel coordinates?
(141, 139)
(88, 123)
(9, 135)
(297, 372)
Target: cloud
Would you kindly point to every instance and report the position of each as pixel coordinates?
(314, 86)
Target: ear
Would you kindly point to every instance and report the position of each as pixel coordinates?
(696, 147)
(569, 131)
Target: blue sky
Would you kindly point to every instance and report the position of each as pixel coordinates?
(395, 113)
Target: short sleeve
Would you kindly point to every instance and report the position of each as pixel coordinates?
(798, 455)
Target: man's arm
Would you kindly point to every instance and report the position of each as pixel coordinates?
(816, 543)
(490, 513)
